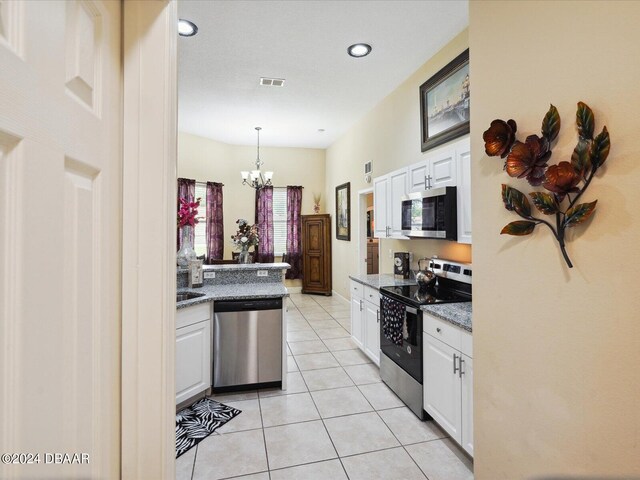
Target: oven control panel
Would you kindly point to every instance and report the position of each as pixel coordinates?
(450, 269)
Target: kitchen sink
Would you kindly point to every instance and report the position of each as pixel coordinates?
(182, 296)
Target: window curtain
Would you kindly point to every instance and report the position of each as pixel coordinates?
(187, 191)
(215, 225)
(294, 228)
(264, 220)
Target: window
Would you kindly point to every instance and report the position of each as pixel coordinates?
(279, 221)
(200, 242)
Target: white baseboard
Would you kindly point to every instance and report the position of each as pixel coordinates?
(294, 289)
(333, 292)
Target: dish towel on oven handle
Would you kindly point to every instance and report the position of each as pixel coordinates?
(392, 319)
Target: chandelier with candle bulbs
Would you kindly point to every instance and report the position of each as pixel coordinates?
(255, 178)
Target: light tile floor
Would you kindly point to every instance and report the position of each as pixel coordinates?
(336, 421)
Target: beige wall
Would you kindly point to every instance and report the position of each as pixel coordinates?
(208, 160)
(556, 351)
(390, 136)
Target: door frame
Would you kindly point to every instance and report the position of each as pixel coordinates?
(362, 229)
(148, 239)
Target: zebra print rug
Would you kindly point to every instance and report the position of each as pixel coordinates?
(197, 422)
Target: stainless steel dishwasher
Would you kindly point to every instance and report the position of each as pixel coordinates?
(247, 344)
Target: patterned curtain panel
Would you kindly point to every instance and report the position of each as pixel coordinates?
(264, 220)
(215, 225)
(294, 242)
(186, 190)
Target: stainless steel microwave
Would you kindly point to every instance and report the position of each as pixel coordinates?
(430, 214)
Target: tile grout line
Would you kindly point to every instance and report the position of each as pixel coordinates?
(326, 430)
(193, 467)
(264, 437)
(385, 424)
(403, 447)
(325, 425)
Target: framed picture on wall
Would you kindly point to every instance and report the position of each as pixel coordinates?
(444, 103)
(343, 211)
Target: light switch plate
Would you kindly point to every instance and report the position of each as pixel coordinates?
(209, 275)
(263, 273)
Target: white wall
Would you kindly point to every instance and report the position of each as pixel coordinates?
(556, 350)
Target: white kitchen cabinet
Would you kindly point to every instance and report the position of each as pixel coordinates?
(438, 169)
(463, 155)
(193, 351)
(447, 166)
(467, 404)
(372, 331)
(441, 386)
(448, 379)
(365, 318)
(357, 324)
(380, 188)
(388, 191)
(357, 330)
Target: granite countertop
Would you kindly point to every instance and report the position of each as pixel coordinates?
(232, 267)
(233, 291)
(458, 314)
(382, 280)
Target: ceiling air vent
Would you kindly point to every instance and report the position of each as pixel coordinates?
(272, 82)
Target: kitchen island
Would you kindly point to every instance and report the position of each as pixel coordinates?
(203, 347)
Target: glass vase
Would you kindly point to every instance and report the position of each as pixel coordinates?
(186, 253)
(243, 256)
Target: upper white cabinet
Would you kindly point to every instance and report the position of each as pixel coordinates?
(446, 166)
(463, 155)
(380, 196)
(388, 191)
(439, 169)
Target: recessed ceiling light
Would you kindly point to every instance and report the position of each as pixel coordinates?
(186, 28)
(359, 50)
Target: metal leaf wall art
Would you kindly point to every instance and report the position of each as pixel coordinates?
(565, 182)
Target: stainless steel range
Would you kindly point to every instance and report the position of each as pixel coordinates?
(401, 327)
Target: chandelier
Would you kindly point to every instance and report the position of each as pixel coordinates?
(255, 178)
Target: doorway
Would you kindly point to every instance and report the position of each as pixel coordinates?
(368, 246)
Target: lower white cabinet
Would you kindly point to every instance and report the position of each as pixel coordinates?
(372, 331)
(448, 379)
(357, 332)
(193, 351)
(467, 404)
(365, 320)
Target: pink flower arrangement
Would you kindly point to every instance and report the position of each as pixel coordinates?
(187, 215)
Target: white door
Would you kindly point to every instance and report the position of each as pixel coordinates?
(467, 404)
(372, 331)
(380, 194)
(356, 321)
(442, 385)
(60, 230)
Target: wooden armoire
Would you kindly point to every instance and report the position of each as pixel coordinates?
(316, 254)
